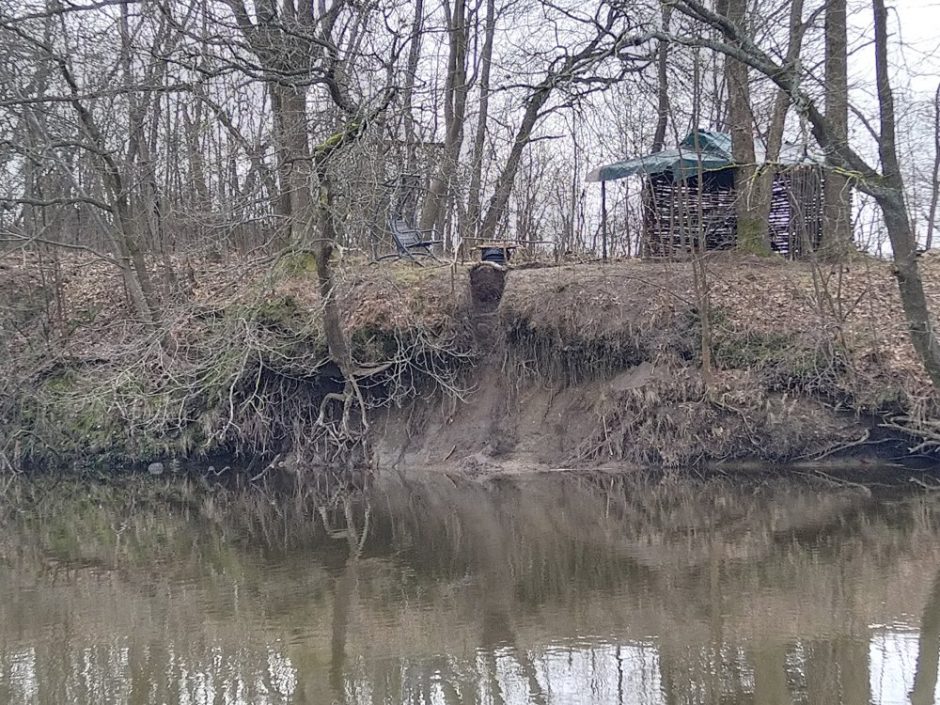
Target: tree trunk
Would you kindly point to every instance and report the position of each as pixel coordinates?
(326, 235)
(720, 81)
(289, 104)
(504, 183)
(837, 216)
(455, 108)
(910, 284)
(935, 174)
(897, 221)
(778, 119)
(662, 84)
(565, 70)
(131, 251)
(479, 139)
(700, 245)
(751, 229)
(196, 157)
(414, 56)
(136, 273)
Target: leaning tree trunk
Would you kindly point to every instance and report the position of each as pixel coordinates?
(479, 139)
(500, 198)
(897, 221)
(561, 72)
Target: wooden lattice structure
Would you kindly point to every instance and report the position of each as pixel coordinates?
(680, 215)
(677, 214)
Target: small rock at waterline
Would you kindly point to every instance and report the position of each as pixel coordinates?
(155, 468)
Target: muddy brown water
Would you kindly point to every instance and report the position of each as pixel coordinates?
(544, 589)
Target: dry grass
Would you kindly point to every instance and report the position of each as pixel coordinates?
(753, 296)
(589, 301)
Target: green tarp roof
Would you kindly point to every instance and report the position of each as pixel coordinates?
(683, 161)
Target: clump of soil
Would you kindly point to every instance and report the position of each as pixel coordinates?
(487, 282)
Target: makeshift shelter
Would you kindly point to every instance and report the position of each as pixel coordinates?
(677, 213)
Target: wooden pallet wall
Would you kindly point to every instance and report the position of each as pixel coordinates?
(675, 216)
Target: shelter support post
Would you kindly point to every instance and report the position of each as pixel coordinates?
(604, 220)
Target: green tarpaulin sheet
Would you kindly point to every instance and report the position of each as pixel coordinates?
(683, 161)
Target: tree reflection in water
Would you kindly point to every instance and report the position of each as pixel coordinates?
(520, 590)
(925, 677)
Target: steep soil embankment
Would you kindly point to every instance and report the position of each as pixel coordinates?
(595, 365)
(557, 366)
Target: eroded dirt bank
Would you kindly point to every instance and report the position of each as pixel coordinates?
(587, 366)
(577, 365)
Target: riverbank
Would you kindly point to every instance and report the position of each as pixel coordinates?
(578, 365)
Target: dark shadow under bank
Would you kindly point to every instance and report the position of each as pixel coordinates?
(536, 428)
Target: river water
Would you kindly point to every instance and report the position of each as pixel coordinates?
(541, 589)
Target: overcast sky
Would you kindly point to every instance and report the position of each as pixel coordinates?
(915, 28)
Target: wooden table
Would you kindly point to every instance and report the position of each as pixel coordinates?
(503, 248)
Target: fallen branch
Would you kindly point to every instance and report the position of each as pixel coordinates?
(839, 447)
(926, 486)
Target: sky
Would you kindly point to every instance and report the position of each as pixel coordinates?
(914, 27)
(919, 26)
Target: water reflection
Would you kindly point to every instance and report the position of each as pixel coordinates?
(542, 590)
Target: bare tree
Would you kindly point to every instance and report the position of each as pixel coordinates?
(935, 173)
(293, 47)
(837, 217)
(751, 230)
(611, 39)
(455, 109)
(778, 117)
(116, 210)
(479, 138)
(662, 84)
(885, 187)
(411, 76)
